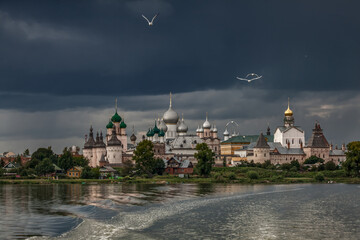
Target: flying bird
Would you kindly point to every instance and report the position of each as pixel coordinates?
(152, 20)
(254, 75)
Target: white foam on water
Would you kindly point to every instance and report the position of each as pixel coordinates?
(131, 223)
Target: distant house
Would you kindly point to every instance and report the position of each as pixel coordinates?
(23, 159)
(174, 166)
(9, 154)
(11, 165)
(106, 171)
(74, 172)
(58, 170)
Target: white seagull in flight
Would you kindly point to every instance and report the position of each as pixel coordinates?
(152, 20)
(254, 75)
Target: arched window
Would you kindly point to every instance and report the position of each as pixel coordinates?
(264, 154)
(292, 141)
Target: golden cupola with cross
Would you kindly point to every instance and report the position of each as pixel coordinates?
(288, 111)
(289, 118)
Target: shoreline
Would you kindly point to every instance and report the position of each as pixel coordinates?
(177, 180)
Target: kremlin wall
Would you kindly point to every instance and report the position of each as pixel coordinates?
(171, 139)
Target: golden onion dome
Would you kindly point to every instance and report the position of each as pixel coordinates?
(288, 111)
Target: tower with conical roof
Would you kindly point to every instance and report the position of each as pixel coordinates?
(317, 145)
(171, 119)
(114, 149)
(261, 150)
(89, 148)
(99, 149)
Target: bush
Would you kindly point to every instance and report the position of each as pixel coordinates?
(231, 176)
(286, 166)
(321, 167)
(319, 177)
(296, 164)
(294, 169)
(313, 160)
(276, 178)
(330, 165)
(253, 175)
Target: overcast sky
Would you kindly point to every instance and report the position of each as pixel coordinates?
(63, 63)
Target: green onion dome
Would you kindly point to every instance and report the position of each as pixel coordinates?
(161, 133)
(156, 130)
(116, 118)
(148, 134)
(122, 124)
(152, 133)
(110, 124)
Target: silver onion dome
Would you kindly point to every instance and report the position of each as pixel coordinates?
(206, 124)
(226, 133)
(182, 127)
(162, 125)
(170, 116)
(198, 129)
(201, 130)
(214, 129)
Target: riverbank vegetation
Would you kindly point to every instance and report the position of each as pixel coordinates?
(147, 169)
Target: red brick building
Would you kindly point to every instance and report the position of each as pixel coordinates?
(174, 166)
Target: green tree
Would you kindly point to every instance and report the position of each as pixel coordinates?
(286, 166)
(296, 164)
(205, 158)
(321, 167)
(352, 163)
(32, 163)
(89, 173)
(128, 168)
(42, 153)
(26, 152)
(330, 165)
(45, 167)
(18, 160)
(80, 161)
(158, 166)
(95, 172)
(2, 163)
(267, 164)
(66, 160)
(313, 160)
(144, 158)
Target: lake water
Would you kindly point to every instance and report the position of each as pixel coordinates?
(181, 211)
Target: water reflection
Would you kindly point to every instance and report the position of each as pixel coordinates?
(214, 211)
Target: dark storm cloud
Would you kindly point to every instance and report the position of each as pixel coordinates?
(105, 47)
(62, 64)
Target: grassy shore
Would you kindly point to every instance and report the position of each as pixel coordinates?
(240, 175)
